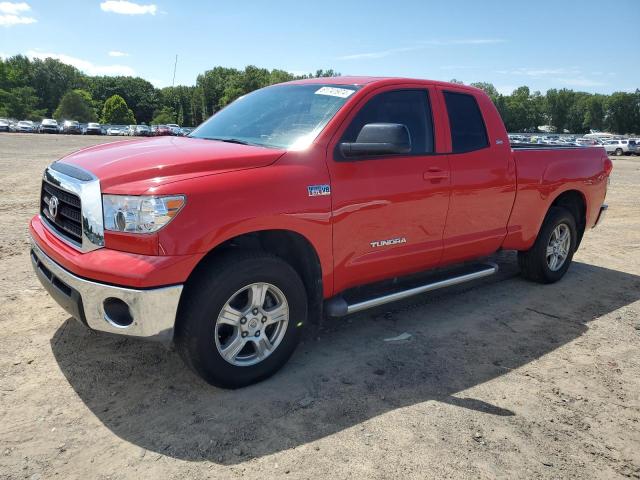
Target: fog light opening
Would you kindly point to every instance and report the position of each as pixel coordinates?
(117, 312)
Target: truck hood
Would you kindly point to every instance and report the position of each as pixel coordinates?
(132, 167)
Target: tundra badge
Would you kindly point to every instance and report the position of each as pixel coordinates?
(385, 243)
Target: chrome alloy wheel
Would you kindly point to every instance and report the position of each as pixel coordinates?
(558, 247)
(252, 324)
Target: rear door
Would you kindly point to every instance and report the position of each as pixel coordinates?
(388, 211)
(483, 181)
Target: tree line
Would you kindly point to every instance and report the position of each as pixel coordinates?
(566, 110)
(35, 88)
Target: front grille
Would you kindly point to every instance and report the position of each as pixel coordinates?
(68, 220)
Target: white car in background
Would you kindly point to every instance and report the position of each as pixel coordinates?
(25, 126)
(617, 147)
(115, 131)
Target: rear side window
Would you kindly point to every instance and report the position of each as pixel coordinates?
(468, 132)
(408, 107)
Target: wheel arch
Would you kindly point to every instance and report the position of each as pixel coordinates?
(576, 202)
(293, 247)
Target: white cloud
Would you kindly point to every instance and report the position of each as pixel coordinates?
(84, 65)
(539, 72)
(580, 82)
(156, 82)
(505, 89)
(124, 7)
(116, 53)
(378, 54)
(11, 14)
(420, 46)
(571, 76)
(12, 8)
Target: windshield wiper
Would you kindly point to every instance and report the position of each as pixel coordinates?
(230, 140)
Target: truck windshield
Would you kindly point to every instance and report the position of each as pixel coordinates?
(282, 116)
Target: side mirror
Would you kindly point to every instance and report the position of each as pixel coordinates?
(379, 139)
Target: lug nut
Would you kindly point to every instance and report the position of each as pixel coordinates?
(243, 320)
(244, 334)
(255, 311)
(264, 319)
(258, 333)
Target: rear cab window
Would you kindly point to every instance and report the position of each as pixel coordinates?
(409, 107)
(468, 131)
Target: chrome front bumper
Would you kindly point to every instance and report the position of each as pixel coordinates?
(152, 312)
(601, 215)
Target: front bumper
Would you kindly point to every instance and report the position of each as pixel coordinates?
(601, 214)
(151, 312)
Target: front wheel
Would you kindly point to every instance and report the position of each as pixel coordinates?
(618, 152)
(241, 318)
(549, 258)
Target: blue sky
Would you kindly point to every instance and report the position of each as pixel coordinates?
(587, 45)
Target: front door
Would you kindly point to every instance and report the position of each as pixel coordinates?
(389, 211)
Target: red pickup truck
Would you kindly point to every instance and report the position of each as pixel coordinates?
(299, 200)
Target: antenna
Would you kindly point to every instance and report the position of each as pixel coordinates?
(175, 65)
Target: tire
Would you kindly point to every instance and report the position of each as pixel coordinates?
(226, 283)
(535, 264)
(618, 152)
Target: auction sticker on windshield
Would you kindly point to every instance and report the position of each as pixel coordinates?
(334, 92)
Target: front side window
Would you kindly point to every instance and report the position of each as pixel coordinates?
(407, 107)
(468, 132)
(282, 116)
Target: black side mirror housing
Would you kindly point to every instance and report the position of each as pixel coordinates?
(379, 139)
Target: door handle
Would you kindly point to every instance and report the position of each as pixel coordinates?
(435, 174)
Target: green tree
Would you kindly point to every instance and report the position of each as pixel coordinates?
(140, 94)
(559, 103)
(163, 116)
(51, 79)
(522, 111)
(116, 111)
(623, 112)
(20, 103)
(594, 114)
(76, 105)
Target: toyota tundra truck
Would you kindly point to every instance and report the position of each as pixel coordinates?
(306, 199)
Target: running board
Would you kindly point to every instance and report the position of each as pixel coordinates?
(339, 307)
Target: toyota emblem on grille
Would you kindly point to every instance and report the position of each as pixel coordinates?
(53, 206)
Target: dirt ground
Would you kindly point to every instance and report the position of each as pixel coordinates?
(500, 379)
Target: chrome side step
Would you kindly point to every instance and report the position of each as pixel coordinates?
(338, 306)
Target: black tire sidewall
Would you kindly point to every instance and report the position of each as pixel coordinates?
(557, 216)
(207, 301)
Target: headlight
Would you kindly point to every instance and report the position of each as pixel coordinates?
(139, 214)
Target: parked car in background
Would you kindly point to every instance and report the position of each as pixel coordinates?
(587, 142)
(175, 129)
(4, 125)
(114, 131)
(184, 131)
(634, 147)
(93, 129)
(617, 147)
(71, 127)
(162, 130)
(25, 126)
(140, 131)
(48, 125)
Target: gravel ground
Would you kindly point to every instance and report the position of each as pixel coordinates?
(500, 379)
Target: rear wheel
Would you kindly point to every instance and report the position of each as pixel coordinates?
(241, 318)
(618, 152)
(551, 255)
